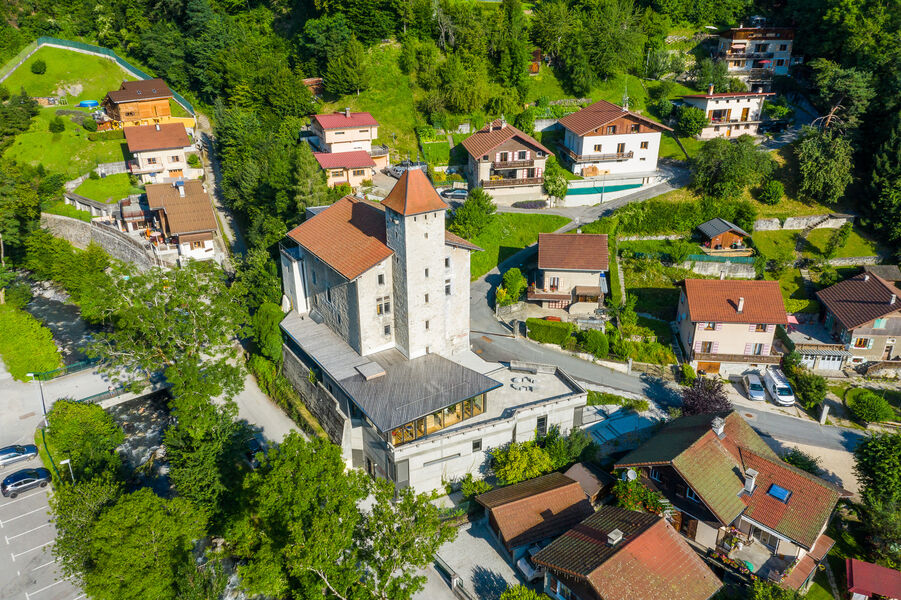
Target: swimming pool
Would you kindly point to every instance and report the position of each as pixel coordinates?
(601, 189)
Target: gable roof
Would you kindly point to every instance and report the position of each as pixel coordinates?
(164, 136)
(860, 299)
(715, 227)
(869, 579)
(413, 194)
(452, 239)
(341, 120)
(652, 561)
(191, 213)
(142, 89)
(590, 476)
(716, 301)
(600, 113)
(714, 468)
(493, 135)
(536, 509)
(576, 252)
(355, 159)
(887, 272)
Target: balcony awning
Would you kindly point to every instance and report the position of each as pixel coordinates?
(587, 290)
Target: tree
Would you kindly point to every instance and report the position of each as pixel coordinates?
(877, 464)
(39, 67)
(824, 162)
(87, 435)
(182, 321)
(594, 342)
(885, 185)
(509, 47)
(708, 72)
(771, 192)
(804, 461)
(844, 93)
(256, 280)
(266, 331)
(723, 168)
(870, 407)
(554, 179)
(57, 125)
(810, 389)
(552, 27)
(514, 283)
(563, 450)
(140, 545)
(837, 240)
(475, 215)
(615, 39)
(705, 395)
(312, 188)
(764, 590)
(518, 461)
(691, 121)
(519, 592)
(349, 71)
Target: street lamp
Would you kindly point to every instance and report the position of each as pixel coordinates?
(68, 462)
(43, 405)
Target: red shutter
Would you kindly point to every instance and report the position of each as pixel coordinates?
(766, 350)
(538, 172)
(698, 346)
(497, 157)
(718, 326)
(770, 328)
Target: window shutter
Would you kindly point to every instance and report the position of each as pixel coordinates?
(752, 327)
(770, 328)
(748, 348)
(698, 346)
(528, 155)
(869, 343)
(539, 172)
(497, 157)
(766, 350)
(716, 347)
(718, 326)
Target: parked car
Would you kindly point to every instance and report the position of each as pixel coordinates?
(455, 194)
(17, 453)
(24, 480)
(778, 387)
(252, 447)
(529, 569)
(405, 165)
(754, 386)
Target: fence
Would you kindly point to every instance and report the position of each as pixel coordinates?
(739, 260)
(67, 370)
(12, 64)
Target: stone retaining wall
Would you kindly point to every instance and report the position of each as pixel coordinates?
(767, 225)
(117, 244)
(854, 261)
(718, 269)
(316, 398)
(832, 221)
(648, 238)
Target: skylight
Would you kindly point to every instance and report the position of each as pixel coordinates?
(779, 493)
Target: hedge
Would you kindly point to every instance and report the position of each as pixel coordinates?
(549, 332)
(25, 344)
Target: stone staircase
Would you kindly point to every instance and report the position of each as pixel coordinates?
(677, 347)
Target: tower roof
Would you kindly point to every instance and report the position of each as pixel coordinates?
(413, 194)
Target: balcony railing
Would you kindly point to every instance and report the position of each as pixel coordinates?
(512, 164)
(721, 120)
(771, 359)
(497, 183)
(134, 167)
(755, 55)
(599, 157)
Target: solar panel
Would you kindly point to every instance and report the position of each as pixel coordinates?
(779, 493)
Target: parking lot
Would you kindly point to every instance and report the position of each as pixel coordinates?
(27, 568)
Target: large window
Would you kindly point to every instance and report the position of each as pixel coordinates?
(437, 421)
(383, 305)
(542, 426)
(862, 343)
(707, 347)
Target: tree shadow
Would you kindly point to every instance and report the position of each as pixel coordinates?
(487, 584)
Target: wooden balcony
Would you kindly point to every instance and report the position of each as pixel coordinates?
(724, 121)
(599, 157)
(770, 359)
(499, 183)
(512, 164)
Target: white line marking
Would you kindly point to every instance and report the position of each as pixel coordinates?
(32, 549)
(46, 587)
(12, 537)
(11, 502)
(79, 597)
(46, 564)
(31, 512)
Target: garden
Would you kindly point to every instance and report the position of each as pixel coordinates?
(870, 404)
(110, 189)
(507, 234)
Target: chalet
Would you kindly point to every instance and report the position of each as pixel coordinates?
(534, 511)
(186, 218)
(619, 554)
(727, 327)
(864, 314)
(352, 168)
(348, 132)
(730, 493)
(505, 162)
(572, 271)
(720, 234)
(605, 139)
(755, 54)
(160, 152)
(729, 114)
(141, 102)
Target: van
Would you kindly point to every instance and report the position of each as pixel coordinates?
(778, 387)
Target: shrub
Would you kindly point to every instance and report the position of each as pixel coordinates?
(57, 125)
(93, 175)
(869, 407)
(18, 294)
(276, 386)
(690, 121)
(563, 450)
(798, 458)
(25, 344)
(634, 495)
(530, 204)
(594, 342)
(39, 67)
(705, 396)
(810, 388)
(518, 461)
(549, 332)
(837, 240)
(514, 283)
(662, 108)
(688, 374)
(472, 487)
(194, 162)
(604, 399)
(89, 125)
(771, 192)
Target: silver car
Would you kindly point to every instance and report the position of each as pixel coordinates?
(16, 453)
(754, 386)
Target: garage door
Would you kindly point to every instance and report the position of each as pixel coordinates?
(830, 363)
(808, 360)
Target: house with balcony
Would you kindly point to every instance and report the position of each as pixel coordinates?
(505, 162)
(863, 314)
(141, 102)
(352, 168)
(571, 273)
(729, 114)
(755, 54)
(349, 132)
(728, 492)
(609, 141)
(619, 554)
(377, 342)
(727, 326)
(187, 223)
(160, 153)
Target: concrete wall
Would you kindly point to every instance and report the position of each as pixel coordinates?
(548, 124)
(318, 400)
(853, 261)
(767, 225)
(833, 221)
(117, 244)
(738, 270)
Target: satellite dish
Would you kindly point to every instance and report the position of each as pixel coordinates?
(630, 475)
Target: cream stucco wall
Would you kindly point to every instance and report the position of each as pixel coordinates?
(570, 279)
(350, 138)
(350, 176)
(166, 161)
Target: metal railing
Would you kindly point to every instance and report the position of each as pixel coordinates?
(600, 157)
(67, 370)
(743, 260)
(512, 164)
(486, 183)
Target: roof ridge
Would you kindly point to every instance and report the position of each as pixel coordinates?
(541, 493)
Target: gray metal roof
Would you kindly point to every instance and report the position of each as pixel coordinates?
(823, 352)
(714, 227)
(887, 272)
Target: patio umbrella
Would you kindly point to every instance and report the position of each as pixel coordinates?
(792, 320)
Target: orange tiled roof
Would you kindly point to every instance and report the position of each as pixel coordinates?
(579, 252)
(600, 113)
(145, 138)
(413, 194)
(493, 135)
(716, 301)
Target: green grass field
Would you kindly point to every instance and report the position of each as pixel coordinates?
(95, 75)
(70, 152)
(771, 243)
(858, 244)
(670, 149)
(436, 153)
(26, 346)
(508, 234)
(58, 207)
(108, 189)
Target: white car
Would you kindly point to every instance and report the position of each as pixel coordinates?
(754, 386)
(778, 387)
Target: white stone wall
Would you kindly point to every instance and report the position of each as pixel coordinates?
(372, 325)
(456, 305)
(334, 298)
(642, 161)
(205, 252)
(166, 164)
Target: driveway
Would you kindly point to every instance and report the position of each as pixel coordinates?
(27, 568)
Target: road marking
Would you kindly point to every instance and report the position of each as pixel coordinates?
(31, 512)
(79, 597)
(46, 587)
(27, 416)
(31, 550)
(11, 502)
(12, 537)
(46, 564)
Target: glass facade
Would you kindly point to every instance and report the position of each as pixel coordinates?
(446, 417)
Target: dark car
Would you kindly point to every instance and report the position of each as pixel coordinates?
(24, 480)
(455, 194)
(253, 447)
(17, 453)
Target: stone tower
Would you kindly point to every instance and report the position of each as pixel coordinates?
(414, 226)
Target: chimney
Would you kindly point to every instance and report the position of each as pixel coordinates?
(750, 480)
(722, 275)
(347, 111)
(719, 427)
(866, 276)
(157, 126)
(614, 537)
(741, 305)
(892, 301)
(710, 89)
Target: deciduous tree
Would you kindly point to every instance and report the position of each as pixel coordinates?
(705, 395)
(723, 168)
(518, 461)
(554, 179)
(87, 435)
(825, 160)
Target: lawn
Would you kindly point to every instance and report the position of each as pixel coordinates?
(892, 396)
(670, 149)
(108, 189)
(771, 243)
(58, 207)
(858, 244)
(660, 328)
(95, 75)
(389, 99)
(436, 153)
(508, 234)
(69, 152)
(819, 589)
(657, 246)
(25, 345)
(553, 140)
